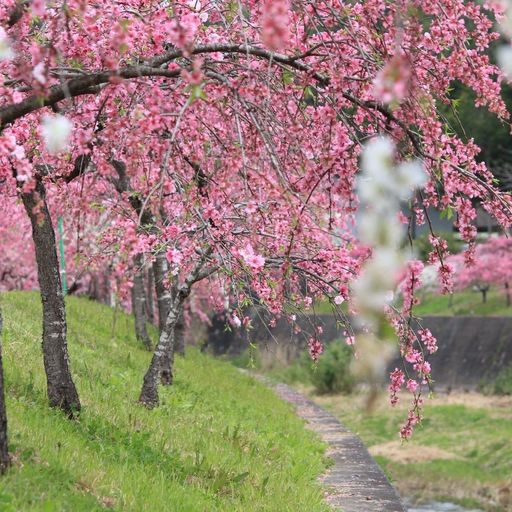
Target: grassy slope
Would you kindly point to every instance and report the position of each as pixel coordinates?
(467, 302)
(219, 441)
(474, 432)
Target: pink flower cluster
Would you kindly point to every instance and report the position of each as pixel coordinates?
(410, 284)
(183, 30)
(428, 340)
(251, 259)
(413, 419)
(275, 24)
(315, 348)
(397, 380)
(392, 82)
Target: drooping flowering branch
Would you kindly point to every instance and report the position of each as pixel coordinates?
(240, 129)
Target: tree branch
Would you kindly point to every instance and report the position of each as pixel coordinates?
(88, 84)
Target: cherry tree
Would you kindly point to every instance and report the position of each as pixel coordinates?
(222, 139)
(492, 266)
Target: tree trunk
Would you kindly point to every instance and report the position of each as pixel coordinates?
(149, 392)
(4, 453)
(139, 303)
(166, 371)
(163, 295)
(484, 295)
(507, 292)
(61, 389)
(179, 334)
(150, 306)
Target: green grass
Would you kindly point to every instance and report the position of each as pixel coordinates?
(219, 441)
(467, 302)
(474, 438)
(464, 303)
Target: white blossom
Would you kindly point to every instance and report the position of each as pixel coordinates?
(377, 157)
(376, 229)
(409, 176)
(235, 320)
(504, 58)
(372, 358)
(56, 132)
(6, 51)
(38, 73)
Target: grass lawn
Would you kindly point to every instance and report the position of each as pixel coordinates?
(461, 452)
(467, 302)
(219, 441)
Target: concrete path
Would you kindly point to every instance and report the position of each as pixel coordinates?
(355, 483)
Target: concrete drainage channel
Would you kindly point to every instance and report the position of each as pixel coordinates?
(355, 483)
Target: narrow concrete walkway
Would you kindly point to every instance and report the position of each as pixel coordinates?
(355, 483)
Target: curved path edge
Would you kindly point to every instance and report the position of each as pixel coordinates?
(354, 483)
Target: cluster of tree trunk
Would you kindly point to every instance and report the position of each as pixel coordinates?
(61, 389)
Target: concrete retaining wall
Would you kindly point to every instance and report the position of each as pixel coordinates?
(471, 349)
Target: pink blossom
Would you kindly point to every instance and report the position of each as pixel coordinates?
(235, 320)
(275, 24)
(174, 256)
(397, 379)
(428, 340)
(315, 348)
(392, 82)
(412, 385)
(251, 259)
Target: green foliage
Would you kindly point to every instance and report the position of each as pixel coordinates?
(219, 441)
(332, 373)
(297, 372)
(502, 385)
(469, 121)
(250, 358)
(423, 248)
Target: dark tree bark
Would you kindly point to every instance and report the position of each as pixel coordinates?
(139, 303)
(165, 347)
(149, 393)
(163, 295)
(167, 363)
(150, 304)
(4, 452)
(507, 293)
(61, 389)
(179, 334)
(484, 290)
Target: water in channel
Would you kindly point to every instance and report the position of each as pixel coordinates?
(440, 507)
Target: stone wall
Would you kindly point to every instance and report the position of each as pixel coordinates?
(471, 349)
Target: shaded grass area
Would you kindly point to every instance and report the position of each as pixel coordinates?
(219, 441)
(462, 451)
